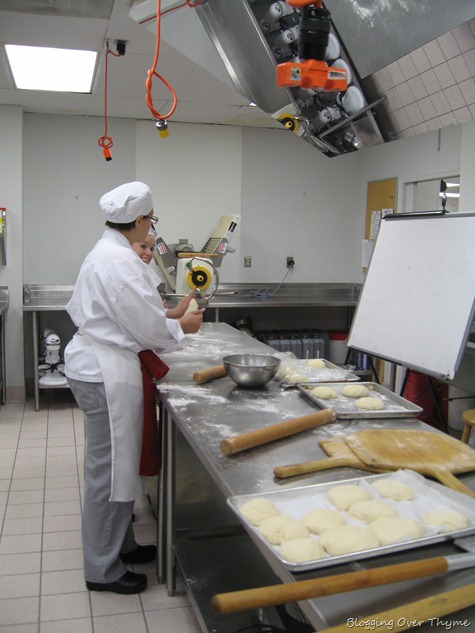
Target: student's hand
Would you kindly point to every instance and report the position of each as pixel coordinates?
(191, 321)
(182, 306)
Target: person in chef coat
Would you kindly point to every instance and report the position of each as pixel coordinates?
(119, 314)
(145, 248)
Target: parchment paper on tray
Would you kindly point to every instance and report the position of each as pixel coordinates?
(293, 371)
(394, 406)
(427, 496)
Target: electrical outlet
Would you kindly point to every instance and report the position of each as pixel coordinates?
(290, 262)
(247, 261)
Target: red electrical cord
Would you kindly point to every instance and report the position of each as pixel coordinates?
(105, 141)
(153, 71)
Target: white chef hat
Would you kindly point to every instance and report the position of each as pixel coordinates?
(127, 202)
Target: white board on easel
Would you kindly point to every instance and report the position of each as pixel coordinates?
(418, 300)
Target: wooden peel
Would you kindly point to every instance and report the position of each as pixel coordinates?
(427, 452)
(203, 375)
(246, 599)
(411, 615)
(238, 443)
(341, 456)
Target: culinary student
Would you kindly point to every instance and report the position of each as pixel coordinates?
(119, 314)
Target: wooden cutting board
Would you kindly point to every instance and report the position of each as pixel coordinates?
(430, 453)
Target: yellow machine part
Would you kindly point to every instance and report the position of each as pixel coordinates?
(198, 277)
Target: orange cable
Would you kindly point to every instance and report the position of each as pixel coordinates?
(105, 141)
(153, 71)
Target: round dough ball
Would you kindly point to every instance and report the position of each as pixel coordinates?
(372, 510)
(343, 497)
(192, 306)
(325, 393)
(295, 377)
(257, 510)
(316, 363)
(345, 539)
(396, 529)
(301, 550)
(321, 520)
(355, 391)
(369, 404)
(446, 519)
(282, 528)
(391, 489)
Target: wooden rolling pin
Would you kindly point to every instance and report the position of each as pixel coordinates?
(211, 373)
(248, 599)
(412, 615)
(238, 443)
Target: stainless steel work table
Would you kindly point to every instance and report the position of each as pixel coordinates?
(200, 531)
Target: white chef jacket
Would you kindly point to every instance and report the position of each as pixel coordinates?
(118, 312)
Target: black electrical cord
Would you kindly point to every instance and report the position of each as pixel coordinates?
(262, 628)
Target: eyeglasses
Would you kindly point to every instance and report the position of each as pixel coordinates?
(153, 219)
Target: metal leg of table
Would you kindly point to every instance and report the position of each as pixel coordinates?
(161, 501)
(170, 573)
(36, 360)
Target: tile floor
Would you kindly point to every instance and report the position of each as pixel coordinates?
(42, 586)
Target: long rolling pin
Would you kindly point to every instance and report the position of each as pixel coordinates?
(238, 443)
(260, 597)
(414, 614)
(203, 375)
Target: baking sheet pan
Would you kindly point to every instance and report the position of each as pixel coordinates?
(428, 495)
(295, 371)
(394, 406)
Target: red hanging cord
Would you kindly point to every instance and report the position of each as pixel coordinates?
(161, 118)
(105, 141)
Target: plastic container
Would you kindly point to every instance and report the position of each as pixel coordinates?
(337, 346)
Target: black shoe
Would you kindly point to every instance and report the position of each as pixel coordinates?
(143, 554)
(128, 583)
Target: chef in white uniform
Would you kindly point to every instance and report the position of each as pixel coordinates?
(118, 312)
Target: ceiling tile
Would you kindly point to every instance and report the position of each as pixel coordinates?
(427, 108)
(405, 94)
(407, 67)
(395, 73)
(421, 61)
(454, 97)
(414, 114)
(440, 103)
(431, 84)
(463, 115)
(417, 88)
(467, 88)
(459, 68)
(445, 76)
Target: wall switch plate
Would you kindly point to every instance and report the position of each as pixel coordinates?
(247, 261)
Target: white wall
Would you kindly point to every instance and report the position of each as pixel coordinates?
(65, 174)
(11, 275)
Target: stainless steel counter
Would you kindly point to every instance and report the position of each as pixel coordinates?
(198, 478)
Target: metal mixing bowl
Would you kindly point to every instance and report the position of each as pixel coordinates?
(251, 370)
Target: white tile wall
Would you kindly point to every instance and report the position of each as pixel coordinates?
(433, 86)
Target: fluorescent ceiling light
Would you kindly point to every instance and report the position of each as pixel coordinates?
(53, 69)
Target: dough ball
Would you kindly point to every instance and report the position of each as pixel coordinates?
(355, 391)
(301, 550)
(345, 539)
(316, 363)
(391, 489)
(296, 377)
(321, 520)
(343, 497)
(325, 393)
(446, 519)
(396, 529)
(282, 528)
(193, 305)
(369, 404)
(257, 510)
(372, 510)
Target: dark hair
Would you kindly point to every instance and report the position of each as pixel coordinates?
(126, 226)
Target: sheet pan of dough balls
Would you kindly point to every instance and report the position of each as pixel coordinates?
(327, 524)
(359, 400)
(293, 371)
